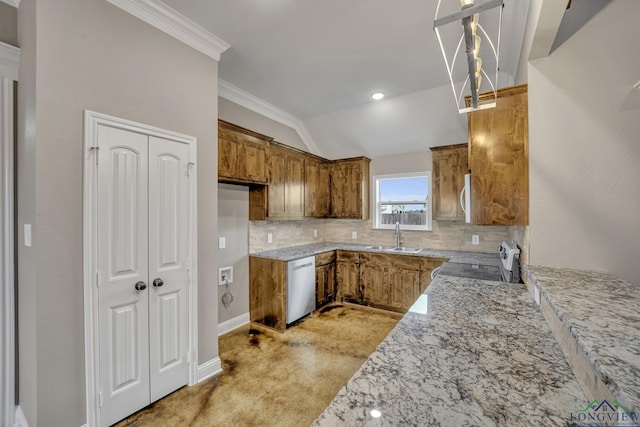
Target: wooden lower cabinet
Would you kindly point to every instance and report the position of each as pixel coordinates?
(389, 281)
(325, 278)
(427, 265)
(268, 292)
(348, 276)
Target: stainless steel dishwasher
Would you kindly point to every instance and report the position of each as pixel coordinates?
(301, 288)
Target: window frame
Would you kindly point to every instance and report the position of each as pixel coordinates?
(375, 202)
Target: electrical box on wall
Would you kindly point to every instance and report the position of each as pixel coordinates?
(225, 276)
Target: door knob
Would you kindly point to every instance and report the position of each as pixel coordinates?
(140, 286)
(157, 282)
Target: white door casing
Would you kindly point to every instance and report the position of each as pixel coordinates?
(139, 225)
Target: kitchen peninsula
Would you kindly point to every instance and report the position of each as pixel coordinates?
(469, 352)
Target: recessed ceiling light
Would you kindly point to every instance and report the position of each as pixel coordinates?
(375, 413)
(377, 96)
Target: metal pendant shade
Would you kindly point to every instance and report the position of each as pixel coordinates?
(468, 32)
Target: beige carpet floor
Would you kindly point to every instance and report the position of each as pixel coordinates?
(276, 379)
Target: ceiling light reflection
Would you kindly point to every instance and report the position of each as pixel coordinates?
(375, 413)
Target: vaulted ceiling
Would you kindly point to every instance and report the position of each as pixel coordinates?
(320, 61)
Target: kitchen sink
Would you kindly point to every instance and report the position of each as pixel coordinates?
(405, 250)
(375, 247)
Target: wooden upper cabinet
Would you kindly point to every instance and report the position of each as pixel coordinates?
(350, 188)
(316, 187)
(450, 164)
(499, 160)
(286, 183)
(242, 154)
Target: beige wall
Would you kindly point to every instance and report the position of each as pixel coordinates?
(584, 151)
(233, 225)
(88, 54)
(237, 114)
(420, 161)
(8, 24)
(26, 205)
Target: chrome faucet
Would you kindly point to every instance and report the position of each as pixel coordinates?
(399, 240)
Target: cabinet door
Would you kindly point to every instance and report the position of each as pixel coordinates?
(255, 161)
(348, 280)
(374, 281)
(405, 287)
(241, 154)
(449, 167)
(277, 182)
(350, 188)
(330, 283)
(499, 160)
(227, 157)
(267, 292)
(321, 285)
(316, 188)
(294, 197)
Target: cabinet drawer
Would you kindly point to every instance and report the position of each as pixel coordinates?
(326, 258)
(348, 256)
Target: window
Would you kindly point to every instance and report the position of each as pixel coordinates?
(403, 198)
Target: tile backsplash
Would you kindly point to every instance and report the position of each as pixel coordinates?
(445, 235)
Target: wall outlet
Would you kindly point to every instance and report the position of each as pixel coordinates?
(222, 242)
(354, 235)
(475, 239)
(315, 233)
(269, 238)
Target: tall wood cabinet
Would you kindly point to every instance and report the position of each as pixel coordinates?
(450, 164)
(350, 188)
(317, 197)
(499, 160)
(242, 154)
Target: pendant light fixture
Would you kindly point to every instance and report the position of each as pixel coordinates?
(464, 43)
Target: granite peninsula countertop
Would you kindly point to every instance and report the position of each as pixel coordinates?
(601, 313)
(297, 252)
(469, 352)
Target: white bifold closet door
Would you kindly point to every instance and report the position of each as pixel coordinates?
(143, 232)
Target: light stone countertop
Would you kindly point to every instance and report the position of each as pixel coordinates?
(481, 355)
(601, 311)
(297, 252)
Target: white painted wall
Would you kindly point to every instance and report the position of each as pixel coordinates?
(233, 225)
(584, 124)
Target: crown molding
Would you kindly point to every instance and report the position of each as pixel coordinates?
(9, 61)
(14, 3)
(262, 107)
(164, 18)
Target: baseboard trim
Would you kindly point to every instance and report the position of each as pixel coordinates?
(234, 323)
(209, 369)
(20, 420)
